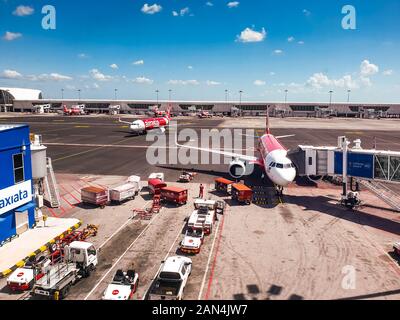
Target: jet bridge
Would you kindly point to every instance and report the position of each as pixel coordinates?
(374, 169)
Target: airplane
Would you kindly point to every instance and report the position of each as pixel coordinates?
(74, 110)
(273, 158)
(143, 126)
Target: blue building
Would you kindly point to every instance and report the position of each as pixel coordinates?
(17, 209)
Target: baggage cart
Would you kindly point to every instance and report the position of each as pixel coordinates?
(123, 193)
(242, 193)
(223, 185)
(95, 196)
(175, 195)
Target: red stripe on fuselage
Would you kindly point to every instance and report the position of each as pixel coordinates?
(269, 143)
(154, 123)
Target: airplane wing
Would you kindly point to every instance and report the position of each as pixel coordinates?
(220, 152)
(126, 122)
(283, 137)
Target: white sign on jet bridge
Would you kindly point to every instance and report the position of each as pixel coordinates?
(15, 196)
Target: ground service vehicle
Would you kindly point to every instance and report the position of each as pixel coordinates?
(95, 196)
(123, 193)
(186, 177)
(223, 185)
(203, 216)
(155, 186)
(242, 193)
(192, 241)
(123, 286)
(171, 280)
(23, 278)
(80, 259)
(175, 195)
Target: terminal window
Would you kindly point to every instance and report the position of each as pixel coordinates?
(18, 168)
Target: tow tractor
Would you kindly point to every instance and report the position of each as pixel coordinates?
(186, 177)
(79, 260)
(192, 241)
(123, 286)
(203, 216)
(23, 278)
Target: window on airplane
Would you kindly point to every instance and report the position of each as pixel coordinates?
(279, 165)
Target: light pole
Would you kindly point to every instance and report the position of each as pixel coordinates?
(240, 101)
(62, 94)
(348, 95)
(157, 92)
(330, 98)
(286, 94)
(115, 94)
(79, 94)
(226, 95)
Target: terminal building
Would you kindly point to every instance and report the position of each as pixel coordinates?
(17, 209)
(27, 100)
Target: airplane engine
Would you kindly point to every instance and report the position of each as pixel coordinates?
(237, 169)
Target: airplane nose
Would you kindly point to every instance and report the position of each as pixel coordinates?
(285, 177)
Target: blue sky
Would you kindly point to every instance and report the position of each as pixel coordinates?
(200, 48)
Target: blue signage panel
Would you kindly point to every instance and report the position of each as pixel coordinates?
(358, 165)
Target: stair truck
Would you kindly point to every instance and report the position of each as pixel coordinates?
(80, 259)
(171, 280)
(203, 216)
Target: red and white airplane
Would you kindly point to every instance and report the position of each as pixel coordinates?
(76, 110)
(145, 125)
(273, 158)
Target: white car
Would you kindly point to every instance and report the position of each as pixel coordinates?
(192, 241)
(123, 286)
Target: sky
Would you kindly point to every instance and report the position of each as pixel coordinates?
(199, 48)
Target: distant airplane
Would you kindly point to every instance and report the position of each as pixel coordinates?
(273, 159)
(76, 110)
(143, 126)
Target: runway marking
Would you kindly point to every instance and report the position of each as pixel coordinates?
(119, 259)
(82, 127)
(165, 258)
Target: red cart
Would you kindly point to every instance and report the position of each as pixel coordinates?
(242, 193)
(175, 195)
(223, 185)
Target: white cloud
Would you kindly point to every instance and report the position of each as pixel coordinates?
(83, 56)
(175, 14)
(272, 73)
(210, 4)
(290, 39)
(184, 82)
(114, 66)
(388, 72)
(278, 51)
(10, 36)
(181, 13)
(306, 12)
(138, 62)
(320, 80)
(155, 8)
(97, 75)
(259, 83)
(143, 80)
(10, 74)
(212, 83)
(368, 69)
(250, 35)
(300, 42)
(22, 11)
(53, 77)
(233, 4)
(190, 67)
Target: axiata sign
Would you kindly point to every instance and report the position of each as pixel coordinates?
(15, 196)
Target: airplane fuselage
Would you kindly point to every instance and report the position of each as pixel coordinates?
(142, 126)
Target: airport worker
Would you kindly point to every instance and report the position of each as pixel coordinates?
(201, 193)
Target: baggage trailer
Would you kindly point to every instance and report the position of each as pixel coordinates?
(79, 261)
(155, 186)
(223, 185)
(175, 195)
(122, 193)
(95, 196)
(242, 193)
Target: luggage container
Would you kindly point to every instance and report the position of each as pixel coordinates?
(242, 193)
(123, 193)
(155, 186)
(223, 185)
(95, 195)
(175, 195)
(137, 181)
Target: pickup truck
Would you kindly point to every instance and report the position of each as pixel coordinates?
(171, 280)
(203, 216)
(79, 260)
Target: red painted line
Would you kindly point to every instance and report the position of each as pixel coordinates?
(53, 212)
(69, 203)
(215, 258)
(70, 193)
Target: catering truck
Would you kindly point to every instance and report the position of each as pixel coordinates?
(171, 280)
(80, 259)
(203, 216)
